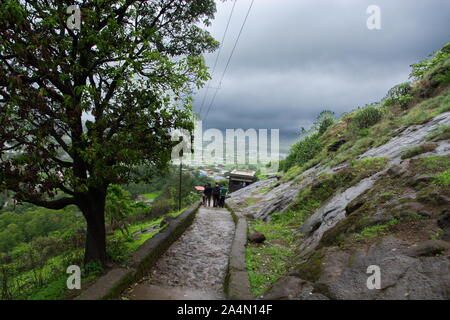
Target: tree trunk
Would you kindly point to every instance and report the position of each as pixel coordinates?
(94, 213)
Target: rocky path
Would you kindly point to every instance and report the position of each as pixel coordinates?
(195, 266)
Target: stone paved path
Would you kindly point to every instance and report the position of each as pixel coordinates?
(195, 266)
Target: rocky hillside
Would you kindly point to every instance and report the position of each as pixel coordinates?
(376, 193)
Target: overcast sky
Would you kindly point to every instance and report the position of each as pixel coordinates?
(298, 57)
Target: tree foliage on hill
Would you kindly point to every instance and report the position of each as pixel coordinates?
(420, 69)
(128, 71)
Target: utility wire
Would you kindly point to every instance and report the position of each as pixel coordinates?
(217, 57)
(229, 60)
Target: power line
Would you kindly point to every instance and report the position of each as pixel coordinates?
(217, 57)
(229, 59)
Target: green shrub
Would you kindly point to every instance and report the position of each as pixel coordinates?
(303, 151)
(399, 95)
(420, 69)
(443, 179)
(324, 121)
(367, 117)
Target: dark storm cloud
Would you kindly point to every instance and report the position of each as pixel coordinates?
(296, 58)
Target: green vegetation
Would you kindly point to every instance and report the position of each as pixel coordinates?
(150, 196)
(343, 141)
(267, 262)
(376, 230)
(435, 164)
(309, 146)
(38, 244)
(443, 179)
(271, 259)
(137, 89)
(367, 117)
(399, 95)
(37, 269)
(422, 69)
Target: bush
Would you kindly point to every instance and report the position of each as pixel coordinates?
(324, 121)
(161, 207)
(443, 179)
(420, 69)
(303, 151)
(310, 145)
(399, 95)
(367, 117)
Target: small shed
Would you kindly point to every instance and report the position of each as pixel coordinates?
(240, 178)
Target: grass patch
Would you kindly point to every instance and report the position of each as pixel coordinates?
(435, 164)
(150, 196)
(375, 231)
(267, 262)
(266, 265)
(443, 179)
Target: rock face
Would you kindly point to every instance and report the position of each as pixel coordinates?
(406, 272)
(292, 287)
(412, 266)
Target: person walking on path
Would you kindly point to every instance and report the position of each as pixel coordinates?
(223, 194)
(204, 195)
(216, 195)
(208, 193)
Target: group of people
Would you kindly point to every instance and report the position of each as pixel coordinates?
(218, 194)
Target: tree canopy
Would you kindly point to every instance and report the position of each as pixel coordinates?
(80, 109)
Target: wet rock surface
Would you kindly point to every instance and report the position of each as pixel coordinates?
(406, 272)
(196, 264)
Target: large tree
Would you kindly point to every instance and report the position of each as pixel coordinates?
(80, 109)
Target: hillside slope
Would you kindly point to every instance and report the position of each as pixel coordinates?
(373, 195)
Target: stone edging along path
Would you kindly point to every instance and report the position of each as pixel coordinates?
(111, 284)
(237, 284)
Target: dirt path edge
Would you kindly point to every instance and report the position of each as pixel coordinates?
(237, 283)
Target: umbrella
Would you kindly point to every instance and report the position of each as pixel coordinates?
(200, 188)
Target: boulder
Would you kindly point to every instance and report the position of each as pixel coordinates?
(249, 216)
(428, 248)
(256, 237)
(435, 198)
(292, 288)
(397, 171)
